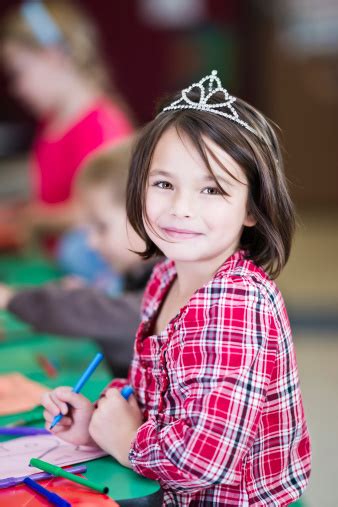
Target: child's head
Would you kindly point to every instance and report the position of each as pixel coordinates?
(43, 45)
(204, 184)
(100, 189)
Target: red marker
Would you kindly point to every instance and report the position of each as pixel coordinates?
(47, 366)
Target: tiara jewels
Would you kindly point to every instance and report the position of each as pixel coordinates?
(214, 86)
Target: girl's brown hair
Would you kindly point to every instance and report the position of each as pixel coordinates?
(268, 243)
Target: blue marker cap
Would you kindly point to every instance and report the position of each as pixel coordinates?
(126, 392)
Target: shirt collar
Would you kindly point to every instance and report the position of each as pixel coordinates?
(166, 272)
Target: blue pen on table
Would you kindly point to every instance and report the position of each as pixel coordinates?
(13, 481)
(53, 498)
(81, 382)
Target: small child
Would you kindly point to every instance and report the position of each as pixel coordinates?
(100, 188)
(217, 417)
(50, 53)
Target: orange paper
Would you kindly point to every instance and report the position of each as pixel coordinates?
(75, 494)
(18, 393)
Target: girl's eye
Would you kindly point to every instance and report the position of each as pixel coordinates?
(211, 191)
(165, 185)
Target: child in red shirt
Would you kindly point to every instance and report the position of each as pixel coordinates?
(217, 415)
(56, 158)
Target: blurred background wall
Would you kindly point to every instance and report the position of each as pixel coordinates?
(283, 57)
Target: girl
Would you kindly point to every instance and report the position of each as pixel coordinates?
(217, 415)
(50, 53)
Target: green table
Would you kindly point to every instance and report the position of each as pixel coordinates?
(27, 270)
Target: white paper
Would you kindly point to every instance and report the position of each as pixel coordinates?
(16, 454)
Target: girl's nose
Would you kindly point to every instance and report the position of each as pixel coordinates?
(182, 204)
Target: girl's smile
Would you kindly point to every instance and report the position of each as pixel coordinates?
(180, 234)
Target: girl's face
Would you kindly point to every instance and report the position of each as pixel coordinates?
(34, 76)
(189, 219)
(109, 231)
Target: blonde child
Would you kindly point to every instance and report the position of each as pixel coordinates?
(87, 311)
(217, 415)
(50, 52)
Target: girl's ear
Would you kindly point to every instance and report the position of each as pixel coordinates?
(250, 220)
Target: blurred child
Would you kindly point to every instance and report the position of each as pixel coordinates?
(86, 311)
(50, 53)
(217, 415)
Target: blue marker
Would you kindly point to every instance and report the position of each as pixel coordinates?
(53, 498)
(89, 371)
(23, 431)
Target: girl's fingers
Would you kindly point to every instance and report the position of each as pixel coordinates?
(59, 428)
(66, 395)
(50, 405)
(132, 401)
(60, 401)
(47, 416)
(100, 402)
(62, 406)
(66, 421)
(111, 392)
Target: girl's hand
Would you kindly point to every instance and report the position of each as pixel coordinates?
(114, 424)
(6, 294)
(77, 411)
(73, 282)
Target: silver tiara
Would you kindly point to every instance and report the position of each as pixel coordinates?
(214, 86)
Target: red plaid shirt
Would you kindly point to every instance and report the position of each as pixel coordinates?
(219, 389)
